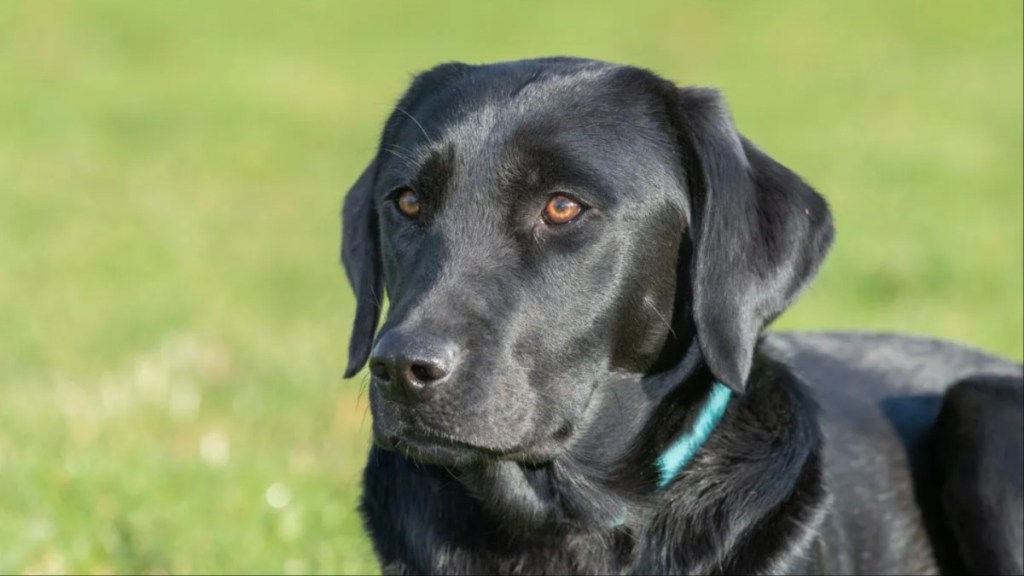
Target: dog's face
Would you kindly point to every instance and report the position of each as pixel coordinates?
(546, 228)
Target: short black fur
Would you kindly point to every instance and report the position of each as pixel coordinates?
(528, 375)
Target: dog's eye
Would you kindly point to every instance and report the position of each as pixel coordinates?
(561, 209)
(408, 203)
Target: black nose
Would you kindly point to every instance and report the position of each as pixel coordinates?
(410, 368)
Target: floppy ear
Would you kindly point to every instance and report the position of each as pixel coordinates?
(759, 234)
(360, 253)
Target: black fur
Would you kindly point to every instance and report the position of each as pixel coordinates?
(578, 352)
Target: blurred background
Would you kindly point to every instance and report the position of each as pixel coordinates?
(173, 318)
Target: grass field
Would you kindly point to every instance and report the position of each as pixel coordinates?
(172, 316)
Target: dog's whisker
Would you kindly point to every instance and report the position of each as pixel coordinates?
(405, 150)
(409, 161)
(654, 308)
(366, 413)
(413, 118)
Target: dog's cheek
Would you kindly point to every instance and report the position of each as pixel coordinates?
(641, 329)
(645, 317)
(493, 404)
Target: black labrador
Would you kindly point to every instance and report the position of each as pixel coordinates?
(579, 260)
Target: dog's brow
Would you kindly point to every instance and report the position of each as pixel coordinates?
(433, 172)
(405, 164)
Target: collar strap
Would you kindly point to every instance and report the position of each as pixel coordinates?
(682, 450)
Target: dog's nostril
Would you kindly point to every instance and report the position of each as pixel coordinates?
(411, 369)
(379, 369)
(426, 373)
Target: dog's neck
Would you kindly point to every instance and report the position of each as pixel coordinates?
(679, 453)
(608, 476)
(599, 504)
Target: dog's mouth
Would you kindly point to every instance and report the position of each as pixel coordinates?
(406, 430)
(438, 448)
(431, 447)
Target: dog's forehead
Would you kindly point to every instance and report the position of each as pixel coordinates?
(482, 105)
(488, 122)
(545, 109)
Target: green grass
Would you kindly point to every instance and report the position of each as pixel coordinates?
(172, 316)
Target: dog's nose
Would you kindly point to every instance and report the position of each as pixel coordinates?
(411, 368)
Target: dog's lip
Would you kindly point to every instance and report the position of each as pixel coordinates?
(419, 437)
(430, 446)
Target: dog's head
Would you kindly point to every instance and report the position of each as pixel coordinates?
(544, 228)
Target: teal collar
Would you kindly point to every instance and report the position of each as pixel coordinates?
(682, 450)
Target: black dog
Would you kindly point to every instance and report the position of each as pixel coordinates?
(579, 260)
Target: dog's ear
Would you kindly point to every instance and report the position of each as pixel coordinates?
(758, 234)
(360, 253)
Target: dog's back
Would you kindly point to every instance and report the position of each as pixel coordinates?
(887, 467)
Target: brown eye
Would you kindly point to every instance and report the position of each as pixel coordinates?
(561, 209)
(408, 203)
